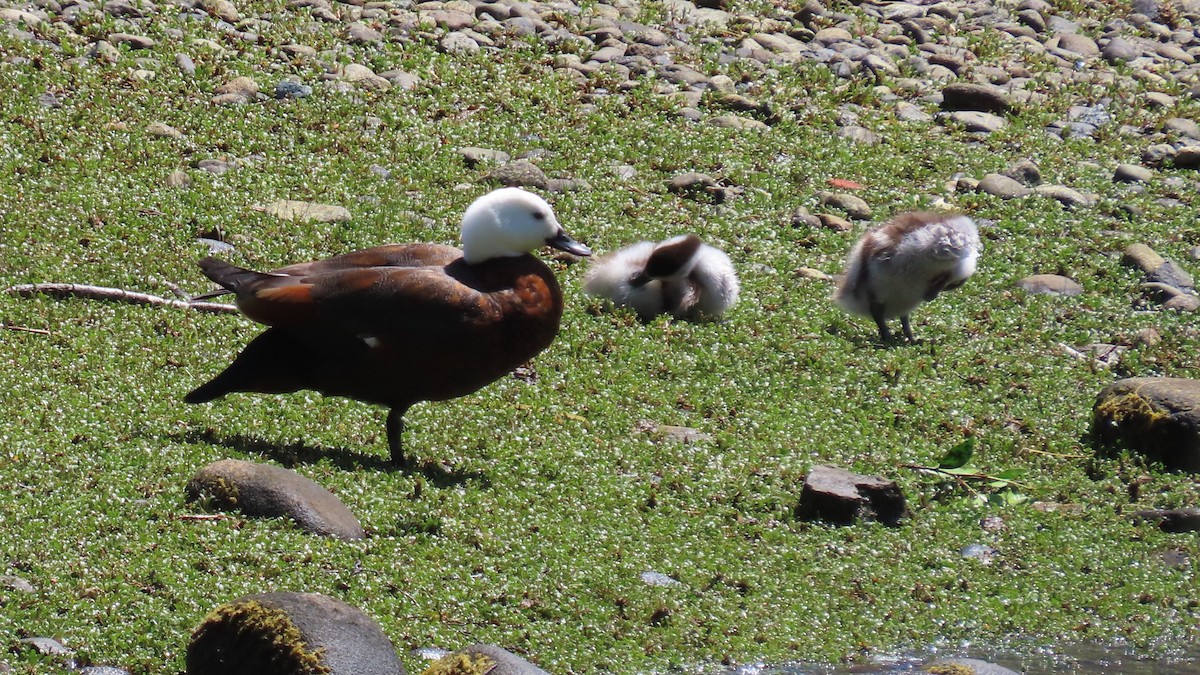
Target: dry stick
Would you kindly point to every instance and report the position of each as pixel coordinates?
(118, 295)
(23, 329)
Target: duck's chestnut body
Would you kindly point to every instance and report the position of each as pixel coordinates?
(392, 325)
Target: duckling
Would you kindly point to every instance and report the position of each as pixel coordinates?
(904, 262)
(398, 324)
(680, 276)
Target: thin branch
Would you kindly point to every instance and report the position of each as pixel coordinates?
(23, 329)
(117, 295)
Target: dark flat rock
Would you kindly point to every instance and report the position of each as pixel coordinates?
(978, 97)
(841, 497)
(265, 491)
(1172, 520)
(290, 633)
(1159, 417)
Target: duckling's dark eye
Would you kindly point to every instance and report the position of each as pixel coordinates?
(539, 215)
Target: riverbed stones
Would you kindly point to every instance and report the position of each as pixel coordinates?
(289, 633)
(842, 497)
(483, 659)
(1158, 417)
(290, 209)
(266, 491)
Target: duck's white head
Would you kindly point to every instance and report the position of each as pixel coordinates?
(510, 222)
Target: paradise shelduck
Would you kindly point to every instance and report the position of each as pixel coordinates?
(904, 262)
(395, 325)
(681, 276)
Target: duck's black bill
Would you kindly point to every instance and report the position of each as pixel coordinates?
(563, 242)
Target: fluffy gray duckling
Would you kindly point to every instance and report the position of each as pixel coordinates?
(904, 262)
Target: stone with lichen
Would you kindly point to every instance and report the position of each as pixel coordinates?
(1156, 416)
(290, 634)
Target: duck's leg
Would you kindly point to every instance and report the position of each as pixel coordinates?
(907, 328)
(395, 433)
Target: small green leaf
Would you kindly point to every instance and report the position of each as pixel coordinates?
(959, 455)
(1011, 474)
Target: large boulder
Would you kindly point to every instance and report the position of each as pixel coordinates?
(290, 634)
(1157, 416)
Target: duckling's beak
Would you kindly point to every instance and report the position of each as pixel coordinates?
(563, 242)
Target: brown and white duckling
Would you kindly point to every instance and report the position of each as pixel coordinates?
(395, 325)
(904, 262)
(681, 276)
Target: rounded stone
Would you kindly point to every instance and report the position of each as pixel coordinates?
(1132, 173)
(1002, 186)
(979, 97)
(1156, 416)
(265, 491)
(289, 633)
(1050, 284)
(521, 173)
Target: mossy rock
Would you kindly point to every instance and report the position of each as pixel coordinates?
(290, 634)
(265, 491)
(1158, 417)
(481, 659)
(956, 666)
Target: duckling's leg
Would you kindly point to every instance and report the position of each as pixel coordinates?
(885, 335)
(907, 328)
(395, 432)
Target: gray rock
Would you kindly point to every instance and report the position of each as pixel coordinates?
(131, 41)
(975, 121)
(178, 179)
(401, 79)
(982, 553)
(163, 130)
(289, 633)
(288, 209)
(978, 97)
(692, 184)
(1025, 171)
(185, 64)
(1066, 196)
(101, 670)
(1078, 43)
(290, 89)
(48, 646)
(362, 34)
(860, 135)
(1157, 268)
(1159, 417)
(484, 660)
(911, 113)
(14, 583)
(521, 173)
(1118, 50)
(1171, 520)
(265, 491)
(1050, 284)
(473, 156)
(1183, 127)
(214, 166)
(1159, 155)
(459, 43)
(1183, 302)
(652, 578)
(739, 123)
(1188, 157)
(1002, 186)
(1132, 173)
(841, 497)
(962, 666)
(854, 206)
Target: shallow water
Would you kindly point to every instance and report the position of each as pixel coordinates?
(1065, 660)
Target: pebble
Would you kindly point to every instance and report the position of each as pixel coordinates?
(185, 64)
(521, 173)
(131, 41)
(854, 206)
(288, 209)
(976, 121)
(290, 89)
(1132, 173)
(214, 166)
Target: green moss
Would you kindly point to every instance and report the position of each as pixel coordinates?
(465, 663)
(249, 637)
(1131, 413)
